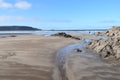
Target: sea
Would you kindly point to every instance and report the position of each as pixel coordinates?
(46, 32)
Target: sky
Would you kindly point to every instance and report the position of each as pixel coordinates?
(61, 14)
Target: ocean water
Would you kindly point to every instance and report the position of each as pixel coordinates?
(47, 33)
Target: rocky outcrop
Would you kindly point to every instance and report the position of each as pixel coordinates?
(114, 32)
(110, 46)
(99, 33)
(62, 34)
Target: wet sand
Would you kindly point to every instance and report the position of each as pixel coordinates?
(29, 57)
(76, 62)
(87, 65)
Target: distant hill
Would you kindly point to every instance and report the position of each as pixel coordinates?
(17, 28)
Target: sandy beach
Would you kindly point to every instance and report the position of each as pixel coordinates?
(59, 39)
(36, 57)
(29, 57)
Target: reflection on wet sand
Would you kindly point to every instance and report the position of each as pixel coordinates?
(86, 65)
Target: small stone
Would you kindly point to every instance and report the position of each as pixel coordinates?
(78, 50)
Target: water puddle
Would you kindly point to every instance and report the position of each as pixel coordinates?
(62, 54)
(74, 48)
(102, 37)
(89, 62)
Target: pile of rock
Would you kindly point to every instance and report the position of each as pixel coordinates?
(99, 33)
(62, 34)
(114, 32)
(110, 46)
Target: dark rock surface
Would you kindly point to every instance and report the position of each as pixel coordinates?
(62, 34)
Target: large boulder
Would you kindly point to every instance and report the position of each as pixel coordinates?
(110, 46)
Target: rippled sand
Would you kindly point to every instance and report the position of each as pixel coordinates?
(29, 57)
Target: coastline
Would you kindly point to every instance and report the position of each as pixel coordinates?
(33, 57)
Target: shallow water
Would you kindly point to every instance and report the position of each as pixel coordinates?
(42, 32)
(86, 65)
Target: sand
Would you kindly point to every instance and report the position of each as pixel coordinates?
(87, 65)
(33, 57)
(29, 57)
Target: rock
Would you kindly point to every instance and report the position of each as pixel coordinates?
(75, 38)
(105, 54)
(98, 33)
(13, 36)
(62, 34)
(78, 50)
(117, 54)
(89, 43)
(110, 46)
(113, 32)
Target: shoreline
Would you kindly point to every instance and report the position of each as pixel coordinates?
(32, 57)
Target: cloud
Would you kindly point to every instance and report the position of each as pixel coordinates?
(5, 4)
(55, 20)
(110, 21)
(19, 5)
(21, 18)
(17, 18)
(5, 18)
(23, 5)
(30, 19)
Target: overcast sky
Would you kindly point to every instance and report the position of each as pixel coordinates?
(60, 14)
